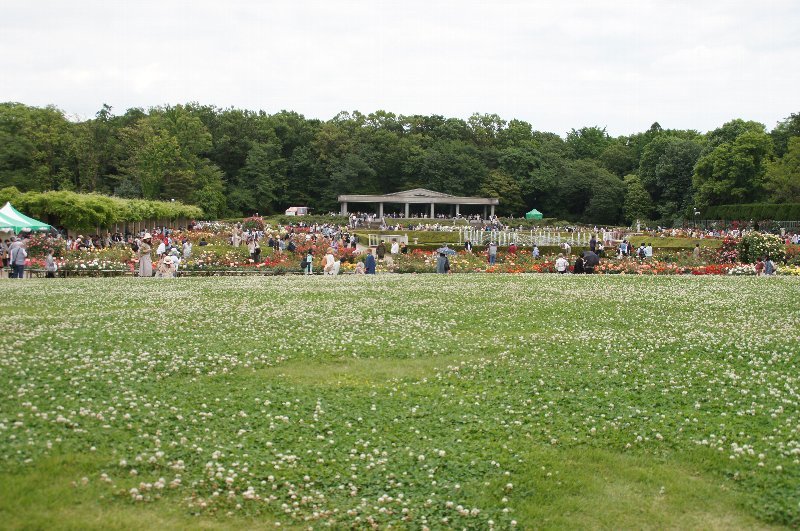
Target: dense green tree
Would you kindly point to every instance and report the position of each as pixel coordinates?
(262, 178)
(535, 170)
(233, 161)
(485, 128)
(783, 175)
(501, 185)
(448, 166)
(96, 152)
(16, 148)
(607, 193)
(639, 141)
(587, 192)
(733, 172)
(638, 203)
(666, 169)
(783, 132)
(516, 134)
(588, 142)
(36, 147)
(209, 190)
(618, 158)
(730, 131)
(153, 155)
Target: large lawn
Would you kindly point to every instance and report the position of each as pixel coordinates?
(539, 401)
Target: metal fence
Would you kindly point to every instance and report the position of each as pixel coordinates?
(534, 237)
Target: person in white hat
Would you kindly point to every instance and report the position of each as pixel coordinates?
(145, 260)
(164, 269)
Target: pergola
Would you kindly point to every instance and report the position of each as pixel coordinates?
(419, 196)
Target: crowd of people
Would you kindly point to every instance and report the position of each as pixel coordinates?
(161, 250)
(423, 222)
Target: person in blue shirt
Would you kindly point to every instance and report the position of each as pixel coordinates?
(369, 263)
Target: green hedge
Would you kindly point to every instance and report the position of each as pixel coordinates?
(755, 211)
(84, 211)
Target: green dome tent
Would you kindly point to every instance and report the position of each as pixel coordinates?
(534, 214)
(11, 218)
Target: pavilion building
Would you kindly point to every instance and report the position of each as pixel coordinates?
(437, 201)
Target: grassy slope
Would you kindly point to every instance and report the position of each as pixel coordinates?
(506, 374)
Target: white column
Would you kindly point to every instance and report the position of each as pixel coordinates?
(380, 210)
(492, 210)
(457, 210)
(344, 208)
(433, 213)
(406, 210)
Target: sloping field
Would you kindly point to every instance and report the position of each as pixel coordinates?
(414, 401)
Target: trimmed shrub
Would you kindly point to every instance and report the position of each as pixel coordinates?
(755, 211)
(754, 245)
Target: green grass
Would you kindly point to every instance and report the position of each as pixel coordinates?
(676, 243)
(547, 401)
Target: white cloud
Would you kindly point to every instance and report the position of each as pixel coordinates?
(558, 64)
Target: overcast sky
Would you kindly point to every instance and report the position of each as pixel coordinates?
(560, 64)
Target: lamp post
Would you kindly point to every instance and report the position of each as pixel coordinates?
(696, 213)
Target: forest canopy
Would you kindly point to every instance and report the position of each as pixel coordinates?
(232, 162)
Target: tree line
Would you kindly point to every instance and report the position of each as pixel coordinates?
(235, 162)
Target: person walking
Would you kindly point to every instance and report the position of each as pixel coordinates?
(380, 250)
(442, 264)
(145, 260)
(50, 265)
(492, 253)
(236, 235)
(187, 249)
(369, 263)
(328, 262)
(18, 256)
